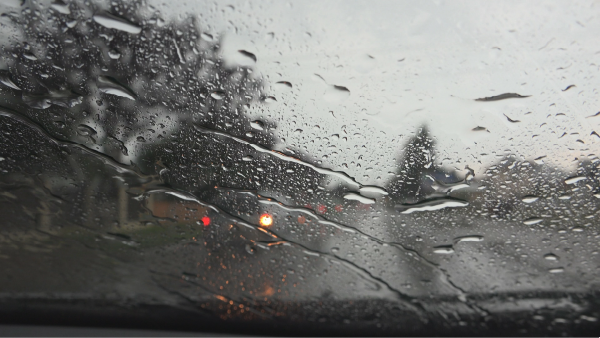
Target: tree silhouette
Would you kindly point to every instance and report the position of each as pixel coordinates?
(415, 164)
(121, 93)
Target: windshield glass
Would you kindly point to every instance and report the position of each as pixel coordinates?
(349, 167)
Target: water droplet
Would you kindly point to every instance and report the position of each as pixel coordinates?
(532, 221)
(61, 7)
(539, 160)
(336, 94)
(472, 238)
(513, 121)
(551, 257)
(247, 158)
(270, 99)
(65, 98)
(110, 85)
(141, 139)
(431, 205)
(373, 190)
(557, 270)
(113, 54)
(85, 130)
(258, 125)
(122, 147)
(248, 55)
(5, 80)
(575, 179)
(207, 37)
(36, 102)
(114, 22)
(530, 198)
(357, 197)
(503, 97)
(59, 124)
(239, 58)
(319, 78)
(30, 56)
(88, 131)
(284, 85)
(447, 187)
(443, 249)
(218, 95)
(588, 318)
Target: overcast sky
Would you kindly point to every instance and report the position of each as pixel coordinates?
(407, 64)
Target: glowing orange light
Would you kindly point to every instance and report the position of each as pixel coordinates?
(205, 220)
(266, 220)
